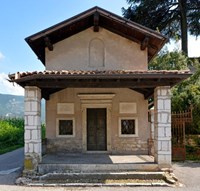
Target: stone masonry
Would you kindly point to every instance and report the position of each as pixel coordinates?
(32, 135)
(162, 121)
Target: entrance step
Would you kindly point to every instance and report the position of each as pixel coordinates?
(101, 179)
(88, 168)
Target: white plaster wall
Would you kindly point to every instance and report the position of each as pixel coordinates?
(119, 52)
(118, 144)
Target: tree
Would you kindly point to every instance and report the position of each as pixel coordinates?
(174, 18)
(186, 93)
(169, 61)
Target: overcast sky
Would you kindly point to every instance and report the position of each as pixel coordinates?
(22, 18)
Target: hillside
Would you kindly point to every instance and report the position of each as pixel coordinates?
(13, 106)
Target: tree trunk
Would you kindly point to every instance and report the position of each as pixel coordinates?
(184, 36)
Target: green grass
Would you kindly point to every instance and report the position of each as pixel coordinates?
(9, 149)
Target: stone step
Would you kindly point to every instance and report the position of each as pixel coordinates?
(102, 176)
(101, 179)
(66, 168)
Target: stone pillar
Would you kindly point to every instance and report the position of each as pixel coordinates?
(162, 126)
(32, 135)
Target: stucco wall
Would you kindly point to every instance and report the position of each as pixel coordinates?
(117, 144)
(103, 50)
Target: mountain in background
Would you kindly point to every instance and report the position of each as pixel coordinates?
(13, 106)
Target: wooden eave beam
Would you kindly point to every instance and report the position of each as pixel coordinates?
(64, 83)
(144, 43)
(47, 92)
(147, 92)
(96, 22)
(48, 43)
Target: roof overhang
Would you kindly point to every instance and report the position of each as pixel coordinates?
(96, 17)
(141, 81)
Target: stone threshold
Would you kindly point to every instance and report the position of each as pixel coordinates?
(80, 168)
(105, 179)
(155, 184)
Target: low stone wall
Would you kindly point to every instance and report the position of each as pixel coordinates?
(63, 145)
(125, 146)
(131, 145)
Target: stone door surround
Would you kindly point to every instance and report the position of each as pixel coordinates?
(96, 101)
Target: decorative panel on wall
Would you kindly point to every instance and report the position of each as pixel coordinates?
(96, 53)
(65, 108)
(127, 108)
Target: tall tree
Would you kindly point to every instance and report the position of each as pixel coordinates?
(186, 93)
(174, 18)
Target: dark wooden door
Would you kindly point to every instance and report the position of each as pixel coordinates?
(96, 129)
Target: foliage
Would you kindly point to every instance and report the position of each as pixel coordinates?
(174, 18)
(10, 135)
(193, 153)
(186, 93)
(43, 129)
(169, 61)
(16, 122)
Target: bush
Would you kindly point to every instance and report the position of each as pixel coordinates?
(15, 122)
(10, 135)
(43, 129)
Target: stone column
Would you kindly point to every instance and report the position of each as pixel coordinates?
(162, 126)
(32, 136)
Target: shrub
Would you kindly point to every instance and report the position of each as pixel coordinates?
(15, 122)
(43, 129)
(10, 135)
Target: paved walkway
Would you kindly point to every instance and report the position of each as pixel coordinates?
(61, 158)
(11, 160)
(11, 166)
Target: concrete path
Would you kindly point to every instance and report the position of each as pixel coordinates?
(91, 158)
(10, 166)
(188, 173)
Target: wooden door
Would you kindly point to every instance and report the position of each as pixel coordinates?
(96, 129)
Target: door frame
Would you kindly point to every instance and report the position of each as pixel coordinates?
(96, 101)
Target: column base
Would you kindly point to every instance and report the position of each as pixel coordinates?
(31, 162)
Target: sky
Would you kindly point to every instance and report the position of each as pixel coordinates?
(22, 18)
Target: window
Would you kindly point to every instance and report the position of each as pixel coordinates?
(128, 127)
(65, 127)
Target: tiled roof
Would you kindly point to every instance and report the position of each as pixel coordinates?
(105, 73)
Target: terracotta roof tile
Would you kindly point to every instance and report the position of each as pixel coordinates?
(19, 75)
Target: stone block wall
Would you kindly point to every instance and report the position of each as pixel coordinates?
(71, 145)
(129, 145)
(32, 135)
(162, 131)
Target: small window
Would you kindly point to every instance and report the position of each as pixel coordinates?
(128, 127)
(65, 127)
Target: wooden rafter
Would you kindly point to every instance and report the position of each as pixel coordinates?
(96, 22)
(144, 43)
(48, 43)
